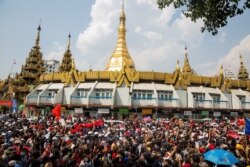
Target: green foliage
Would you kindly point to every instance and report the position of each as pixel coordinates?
(214, 13)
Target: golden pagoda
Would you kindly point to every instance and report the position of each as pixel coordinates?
(120, 57)
(67, 59)
(243, 74)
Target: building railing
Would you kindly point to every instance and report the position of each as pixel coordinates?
(168, 99)
(143, 98)
(78, 97)
(202, 103)
(49, 97)
(220, 104)
(245, 105)
(32, 97)
(100, 97)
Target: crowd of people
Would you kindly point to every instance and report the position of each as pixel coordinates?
(132, 142)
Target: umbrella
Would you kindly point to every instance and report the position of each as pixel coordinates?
(221, 157)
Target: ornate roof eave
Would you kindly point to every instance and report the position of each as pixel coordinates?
(128, 76)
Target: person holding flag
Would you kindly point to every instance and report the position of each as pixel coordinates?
(56, 112)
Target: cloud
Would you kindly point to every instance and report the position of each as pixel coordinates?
(57, 53)
(153, 43)
(230, 60)
(232, 57)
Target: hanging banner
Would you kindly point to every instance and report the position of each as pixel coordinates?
(7, 103)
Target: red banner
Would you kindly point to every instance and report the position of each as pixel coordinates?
(7, 103)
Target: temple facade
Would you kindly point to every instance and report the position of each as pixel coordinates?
(121, 89)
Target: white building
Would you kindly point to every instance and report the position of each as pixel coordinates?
(51, 65)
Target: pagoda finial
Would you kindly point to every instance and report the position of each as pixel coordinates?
(221, 69)
(69, 41)
(38, 33)
(177, 65)
(186, 67)
(243, 74)
(120, 54)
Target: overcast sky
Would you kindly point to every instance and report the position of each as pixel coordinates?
(155, 38)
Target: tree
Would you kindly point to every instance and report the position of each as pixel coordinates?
(214, 13)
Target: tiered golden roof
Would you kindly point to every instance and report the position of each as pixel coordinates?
(22, 83)
(66, 63)
(34, 65)
(120, 56)
(243, 74)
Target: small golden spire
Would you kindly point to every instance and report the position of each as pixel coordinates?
(221, 69)
(243, 74)
(186, 66)
(177, 65)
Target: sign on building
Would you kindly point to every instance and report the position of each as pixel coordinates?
(103, 111)
(78, 111)
(233, 114)
(189, 113)
(146, 111)
(217, 114)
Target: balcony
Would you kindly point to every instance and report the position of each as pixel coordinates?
(221, 104)
(168, 102)
(245, 105)
(100, 100)
(79, 100)
(32, 99)
(143, 101)
(49, 100)
(203, 103)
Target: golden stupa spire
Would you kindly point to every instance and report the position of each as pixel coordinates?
(243, 74)
(186, 67)
(120, 55)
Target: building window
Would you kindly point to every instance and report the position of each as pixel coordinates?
(165, 95)
(142, 94)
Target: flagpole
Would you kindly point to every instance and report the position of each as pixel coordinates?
(246, 142)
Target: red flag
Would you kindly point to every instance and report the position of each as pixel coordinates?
(57, 111)
(240, 122)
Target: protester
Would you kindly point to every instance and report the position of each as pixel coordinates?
(89, 142)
